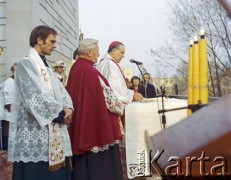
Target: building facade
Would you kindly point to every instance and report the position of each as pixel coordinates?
(19, 17)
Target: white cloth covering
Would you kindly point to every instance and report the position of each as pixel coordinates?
(8, 90)
(141, 117)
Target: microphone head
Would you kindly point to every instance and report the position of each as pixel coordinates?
(136, 62)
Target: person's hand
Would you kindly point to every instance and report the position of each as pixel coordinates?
(137, 97)
(68, 116)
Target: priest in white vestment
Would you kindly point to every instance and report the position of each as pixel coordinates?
(109, 67)
(39, 143)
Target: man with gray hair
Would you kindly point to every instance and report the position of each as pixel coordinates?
(94, 131)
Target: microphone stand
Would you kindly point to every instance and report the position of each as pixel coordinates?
(162, 98)
(193, 107)
(141, 69)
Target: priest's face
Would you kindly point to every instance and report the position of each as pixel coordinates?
(118, 53)
(46, 48)
(94, 54)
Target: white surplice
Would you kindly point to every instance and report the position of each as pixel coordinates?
(108, 68)
(39, 97)
(8, 96)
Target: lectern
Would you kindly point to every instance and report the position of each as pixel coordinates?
(197, 147)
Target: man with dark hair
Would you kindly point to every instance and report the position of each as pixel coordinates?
(43, 32)
(39, 144)
(75, 54)
(13, 67)
(147, 90)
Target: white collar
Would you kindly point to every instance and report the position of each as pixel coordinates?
(108, 57)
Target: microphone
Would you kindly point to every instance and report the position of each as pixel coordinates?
(136, 62)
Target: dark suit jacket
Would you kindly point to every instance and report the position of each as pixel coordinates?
(149, 91)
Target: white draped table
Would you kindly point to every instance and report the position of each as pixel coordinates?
(141, 117)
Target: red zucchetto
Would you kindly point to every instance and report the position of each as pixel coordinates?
(113, 44)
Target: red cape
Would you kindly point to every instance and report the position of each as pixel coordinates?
(92, 124)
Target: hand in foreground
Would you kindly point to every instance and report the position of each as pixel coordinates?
(68, 116)
(137, 97)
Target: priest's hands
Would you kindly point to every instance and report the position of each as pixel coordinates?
(137, 97)
(68, 116)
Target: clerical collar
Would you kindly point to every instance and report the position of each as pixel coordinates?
(44, 60)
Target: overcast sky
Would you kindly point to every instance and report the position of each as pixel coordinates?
(139, 24)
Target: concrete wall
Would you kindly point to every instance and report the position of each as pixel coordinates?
(2, 38)
(21, 16)
(18, 27)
